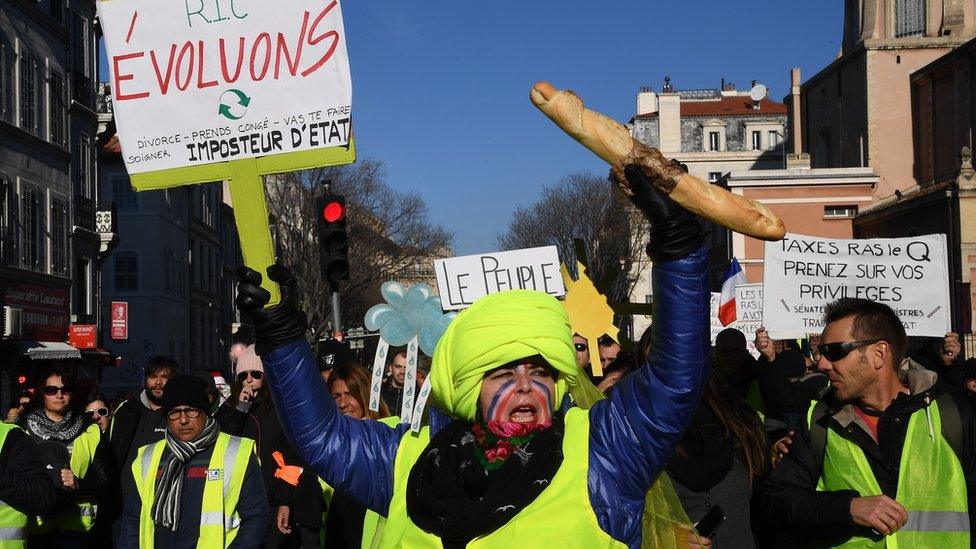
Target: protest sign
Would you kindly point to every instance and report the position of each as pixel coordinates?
(462, 280)
(713, 320)
(802, 274)
(748, 307)
(210, 90)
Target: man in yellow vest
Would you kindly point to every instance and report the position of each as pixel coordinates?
(198, 487)
(886, 459)
(25, 487)
(513, 468)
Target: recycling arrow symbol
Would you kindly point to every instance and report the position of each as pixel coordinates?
(233, 104)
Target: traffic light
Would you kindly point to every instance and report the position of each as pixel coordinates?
(333, 241)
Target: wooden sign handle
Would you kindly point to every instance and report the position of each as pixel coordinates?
(251, 216)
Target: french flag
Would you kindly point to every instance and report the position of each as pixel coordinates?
(734, 277)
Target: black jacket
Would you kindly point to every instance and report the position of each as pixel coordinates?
(259, 421)
(134, 425)
(784, 388)
(24, 484)
(789, 495)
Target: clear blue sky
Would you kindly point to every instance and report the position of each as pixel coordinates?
(440, 87)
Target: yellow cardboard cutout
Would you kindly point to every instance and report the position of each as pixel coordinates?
(589, 312)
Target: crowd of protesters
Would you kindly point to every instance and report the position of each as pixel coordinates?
(765, 445)
(851, 441)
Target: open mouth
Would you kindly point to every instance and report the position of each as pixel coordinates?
(523, 414)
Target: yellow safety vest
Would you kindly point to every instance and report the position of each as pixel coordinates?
(931, 484)
(219, 520)
(560, 517)
(373, 522)
(79, 515)
(13, 523)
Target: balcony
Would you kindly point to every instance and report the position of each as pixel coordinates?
(84, 91)
(84, 213)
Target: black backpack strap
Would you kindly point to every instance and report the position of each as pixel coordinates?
(951, 423)
(818, 433)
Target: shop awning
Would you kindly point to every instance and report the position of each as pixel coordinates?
(97, 353)
(48, 350)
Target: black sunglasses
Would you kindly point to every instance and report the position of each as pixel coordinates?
(101, 412)
(581, 347)
(840, 349)
(51, 390)
(256, 374)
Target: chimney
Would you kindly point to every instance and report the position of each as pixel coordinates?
(646, 101)
(796, 118)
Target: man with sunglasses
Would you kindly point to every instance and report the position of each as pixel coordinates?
(198, 487)
(888, 454)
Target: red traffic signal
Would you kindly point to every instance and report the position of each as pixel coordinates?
(21, 380)
(334, 211)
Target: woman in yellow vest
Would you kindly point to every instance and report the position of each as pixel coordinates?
(25, 488)
(198, 487)
(72, 451)
(511, 469)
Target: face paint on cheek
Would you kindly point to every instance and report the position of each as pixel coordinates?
(545, 404)
(500, 400)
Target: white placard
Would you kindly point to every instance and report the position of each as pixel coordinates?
(206, 81)
(462, 280)
(802, 274)
(748, 309)
(715, 324)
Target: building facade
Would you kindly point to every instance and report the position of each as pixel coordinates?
(857, 110)
(174, 267)
(50, 252)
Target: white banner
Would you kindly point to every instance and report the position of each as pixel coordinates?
(199, 82)
(748, 309)
(802, 274)
(462, 280)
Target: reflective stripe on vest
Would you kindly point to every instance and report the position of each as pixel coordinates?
(13, 523)
(931, 484)
(219, 521)
(561, 516)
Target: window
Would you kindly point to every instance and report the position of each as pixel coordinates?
(773, 139)
(56, 109)
(839, 212)
(757, 141)
(4, 85)
(79, 45)
(181, 276)
(80, 287)
(909, 18)
(85, 158)
(714, 177)
(170, 274)
(714, 142)
(28, 91)
(126, 272)
(57, 10)
(122, 194)
(59, 237)
(6, 246)
(32, 228)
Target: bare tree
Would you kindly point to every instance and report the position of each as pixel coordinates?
(388, 231)
(589, 208)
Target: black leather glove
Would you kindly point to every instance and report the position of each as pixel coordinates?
(273, 326)
(675, 232)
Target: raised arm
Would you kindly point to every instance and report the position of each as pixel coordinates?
(351, 455)
(635, 430)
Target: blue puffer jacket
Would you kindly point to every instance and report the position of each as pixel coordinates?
(632, 433)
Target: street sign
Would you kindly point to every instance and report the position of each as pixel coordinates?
(120, 320)
(208, 90)
(82, 336)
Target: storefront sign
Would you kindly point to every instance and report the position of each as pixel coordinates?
(120, 320)
(82, 336)
(45, 316)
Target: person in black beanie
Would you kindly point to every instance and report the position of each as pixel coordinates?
(179, 487)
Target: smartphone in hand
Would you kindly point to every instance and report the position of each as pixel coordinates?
(710, 522)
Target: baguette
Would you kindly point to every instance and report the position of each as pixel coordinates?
(612, 142)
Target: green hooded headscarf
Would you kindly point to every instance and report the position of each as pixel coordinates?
(495, 330)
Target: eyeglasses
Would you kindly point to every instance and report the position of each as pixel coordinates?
(191, 413)
(581, 347)
(100, 412)
(51, 390)
(840, 349)
(255, 374)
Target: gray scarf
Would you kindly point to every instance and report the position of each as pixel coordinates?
(166, 507)
(66, 430)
